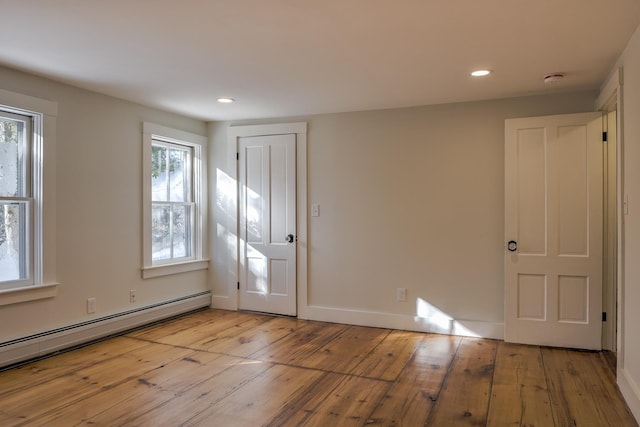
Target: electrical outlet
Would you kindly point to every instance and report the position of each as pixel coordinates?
(91, 305)
(132, 295)
(401, 294)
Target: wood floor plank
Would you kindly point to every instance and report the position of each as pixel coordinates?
(301, 343)
(249, 369)
(390, 356)
(337, 399)
(411, 398)
(519, 395)
(179, 324)
(464, 398)
(177, 407)
(33, 402)
(215, 327)
(64, 363)
(345, 351)
(258, 400)
(248, 338)
(148, 390)
(582, 394)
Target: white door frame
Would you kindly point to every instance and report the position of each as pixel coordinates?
(611, 99)
(234, 133)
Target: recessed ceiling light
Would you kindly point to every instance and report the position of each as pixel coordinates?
(480, 73)
(225, 100)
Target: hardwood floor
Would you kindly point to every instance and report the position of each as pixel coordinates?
(220, 368)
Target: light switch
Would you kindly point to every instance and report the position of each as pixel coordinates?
(315, 210)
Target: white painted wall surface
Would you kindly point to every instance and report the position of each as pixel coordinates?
(410, 198)
(98, 165)
(629, 359)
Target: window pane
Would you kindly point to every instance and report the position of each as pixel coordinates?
(13, 241)
(179, 176)
(161, 232)
(159, 177)
(13, 158)
(182, 231)
(171, 204)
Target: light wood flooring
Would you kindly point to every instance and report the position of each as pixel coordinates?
(220, 368)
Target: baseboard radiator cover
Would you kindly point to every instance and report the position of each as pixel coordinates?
(51, 341)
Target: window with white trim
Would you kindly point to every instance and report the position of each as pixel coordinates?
(17, 200)
(175, 201)
(27, 198)
(172, 206)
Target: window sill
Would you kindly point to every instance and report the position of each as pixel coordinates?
(27, 293)
(182, 267)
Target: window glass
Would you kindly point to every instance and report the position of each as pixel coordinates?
(172, 207)
(16, 200)
(175, 201)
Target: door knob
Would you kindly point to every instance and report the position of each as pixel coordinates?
(290, 238)
(512, 246)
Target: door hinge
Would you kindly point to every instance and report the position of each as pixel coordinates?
(604, 316)
(605, 137)
(237, 156)
(238, 285)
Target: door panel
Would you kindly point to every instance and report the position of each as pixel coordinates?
(553, 209)
(267, 180)
(532, 297)
(531, 169)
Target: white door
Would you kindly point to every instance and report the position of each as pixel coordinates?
(553, 217)
(267, 179)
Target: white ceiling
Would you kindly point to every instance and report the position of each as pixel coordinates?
(295, 57)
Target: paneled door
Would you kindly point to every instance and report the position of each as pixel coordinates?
(553, 230)
(267, 197)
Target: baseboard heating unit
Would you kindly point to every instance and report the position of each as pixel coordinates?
(44, 343)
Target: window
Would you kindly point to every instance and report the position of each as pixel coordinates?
(27, 208)
(172, 204)
(16, 200)
(174, 201)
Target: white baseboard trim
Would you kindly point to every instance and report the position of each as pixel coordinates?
(434, 324)
(630, 391)
(47, 342)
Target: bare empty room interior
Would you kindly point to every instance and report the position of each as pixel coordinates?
(459, 172)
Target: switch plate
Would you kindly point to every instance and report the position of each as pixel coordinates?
(401, 294)
(132, 295)
(315, 210)
(91, 305)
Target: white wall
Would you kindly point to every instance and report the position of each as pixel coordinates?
(99, 209)
(408, 198)
(629, 357)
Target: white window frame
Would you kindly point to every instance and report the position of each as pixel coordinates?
(198, 261)
(42, 250)
(28, 196)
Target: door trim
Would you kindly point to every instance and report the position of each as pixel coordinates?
(230, 301)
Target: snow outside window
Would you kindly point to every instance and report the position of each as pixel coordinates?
(16, 200)
(174, 191)
(172, 202)
(27, 198)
